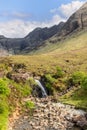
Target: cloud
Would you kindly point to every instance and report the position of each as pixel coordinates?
(55, 10)
(70, 8)
(20, 15)
(20, 28)
(15, 15)
(65, 10)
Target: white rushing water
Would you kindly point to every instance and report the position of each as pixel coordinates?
(44, 94)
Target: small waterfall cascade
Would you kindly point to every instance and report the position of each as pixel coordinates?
(44, 94)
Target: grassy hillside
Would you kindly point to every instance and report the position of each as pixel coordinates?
(74, 41)
(70, 55)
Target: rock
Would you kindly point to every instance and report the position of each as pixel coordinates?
(52, 116)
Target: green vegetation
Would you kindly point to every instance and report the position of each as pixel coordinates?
(61, 64)
(76, 79)
(70, 43)
(77, 96)
(30, 105)
(32, 82)
(11, 94)
(84, 84)
(50, 79)
(55, 82)
(4, 90)
(23, 88)
(59, 73)
(4, 108)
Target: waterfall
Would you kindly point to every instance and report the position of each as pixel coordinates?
(44, 94)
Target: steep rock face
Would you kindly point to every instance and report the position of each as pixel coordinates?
(12, 45)
(77, 20)
(37, 37)
(83, 12)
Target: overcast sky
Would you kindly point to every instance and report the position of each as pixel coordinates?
(19, 17)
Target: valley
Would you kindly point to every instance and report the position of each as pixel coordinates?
(21, 67)
(43, 77)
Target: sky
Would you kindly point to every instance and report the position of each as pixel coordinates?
(20, 17)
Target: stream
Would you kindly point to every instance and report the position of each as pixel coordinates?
(72, 111)
(49, 115)
(44, 93)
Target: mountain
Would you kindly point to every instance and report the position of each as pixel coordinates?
(77, 21)
(32, 41)
(40, 37)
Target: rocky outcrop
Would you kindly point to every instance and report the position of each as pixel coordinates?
(12, 45)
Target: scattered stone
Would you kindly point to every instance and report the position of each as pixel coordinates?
(49, 115)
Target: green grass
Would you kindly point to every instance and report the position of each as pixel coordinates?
(11, 94)
(30, 105)
(4, 108)
(23, 88)
(71, 42)
(72, 49)
(4, 117)
(77, 98)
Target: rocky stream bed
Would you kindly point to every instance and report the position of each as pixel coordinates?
(49, 115)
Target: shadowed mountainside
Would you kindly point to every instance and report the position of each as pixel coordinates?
(32, 41)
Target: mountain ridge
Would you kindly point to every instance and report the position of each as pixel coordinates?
(33, 40)
(77, 20)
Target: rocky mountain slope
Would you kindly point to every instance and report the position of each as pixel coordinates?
(32, 41)
(77, 20)
(39, 36)
(76, 23)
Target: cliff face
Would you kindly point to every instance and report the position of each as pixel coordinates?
(82, 12)
(77, 20)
